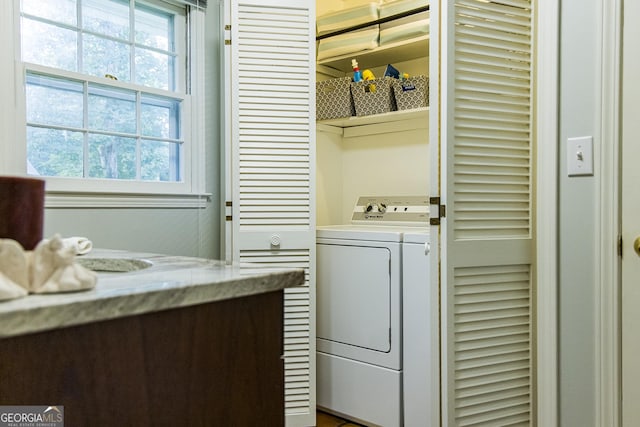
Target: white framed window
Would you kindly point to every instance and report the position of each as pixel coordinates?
(111, 100)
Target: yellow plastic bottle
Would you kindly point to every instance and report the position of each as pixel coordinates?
(368, 75)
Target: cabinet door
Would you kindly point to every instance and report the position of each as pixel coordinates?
(487, 240)
(272, 149)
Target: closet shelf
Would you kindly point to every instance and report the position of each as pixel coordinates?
(376, 22)
(391, 53)
(393, 116)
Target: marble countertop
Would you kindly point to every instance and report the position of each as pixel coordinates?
(170, 282)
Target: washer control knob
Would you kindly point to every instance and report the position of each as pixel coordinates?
(368, 208)
(382, 207)
(275, 240)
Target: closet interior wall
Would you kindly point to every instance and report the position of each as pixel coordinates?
(373, 160)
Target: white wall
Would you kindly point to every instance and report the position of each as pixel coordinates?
(578, 203)
(382, 164)
(392, 164)
(188, 232)
(329, 178)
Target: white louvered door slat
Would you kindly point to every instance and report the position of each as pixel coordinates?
(486, 144)
(273, 162)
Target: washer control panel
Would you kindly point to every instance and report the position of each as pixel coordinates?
(394, 210)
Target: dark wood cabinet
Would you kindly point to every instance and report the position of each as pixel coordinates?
(214, 364)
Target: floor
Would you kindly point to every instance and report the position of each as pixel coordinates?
(326, 420)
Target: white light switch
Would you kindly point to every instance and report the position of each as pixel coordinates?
(580, 156)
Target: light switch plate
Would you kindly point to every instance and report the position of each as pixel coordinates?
(580, 156)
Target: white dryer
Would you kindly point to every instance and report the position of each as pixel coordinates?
(360, 316)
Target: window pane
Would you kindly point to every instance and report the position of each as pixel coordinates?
(154, 29)
(49, 45)
(154, 69)
(159, 161)
(53, 152)
(159, 117)
(123, 132)
(112, 157)
(108, 17)
(112, 109)
(55, 10)
(54, 101)
(101, 56)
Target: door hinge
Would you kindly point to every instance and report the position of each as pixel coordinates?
(619, 245)
(228, 205)
(227, 42)
(441, 210)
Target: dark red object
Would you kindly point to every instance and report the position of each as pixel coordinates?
(21, 210)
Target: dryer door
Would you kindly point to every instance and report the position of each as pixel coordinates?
(354, 296)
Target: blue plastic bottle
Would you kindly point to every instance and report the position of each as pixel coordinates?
(357, 74)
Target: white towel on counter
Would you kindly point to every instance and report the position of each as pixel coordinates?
(53, 268)
(14, 272)
(81, 245)
(49, 268)
(9, 289)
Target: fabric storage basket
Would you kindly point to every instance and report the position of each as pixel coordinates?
(412, 92)
(373, 96)
(333, 99)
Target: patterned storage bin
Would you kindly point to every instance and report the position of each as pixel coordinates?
(412, 92)
(373, 96)
(333, 99)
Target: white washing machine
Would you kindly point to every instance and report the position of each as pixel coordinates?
(375, 315)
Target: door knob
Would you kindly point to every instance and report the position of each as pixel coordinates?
(636, 245)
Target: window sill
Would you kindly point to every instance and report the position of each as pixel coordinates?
(61, 200)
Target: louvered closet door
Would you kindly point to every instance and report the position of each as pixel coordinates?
(273, 146)
(487, 237)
